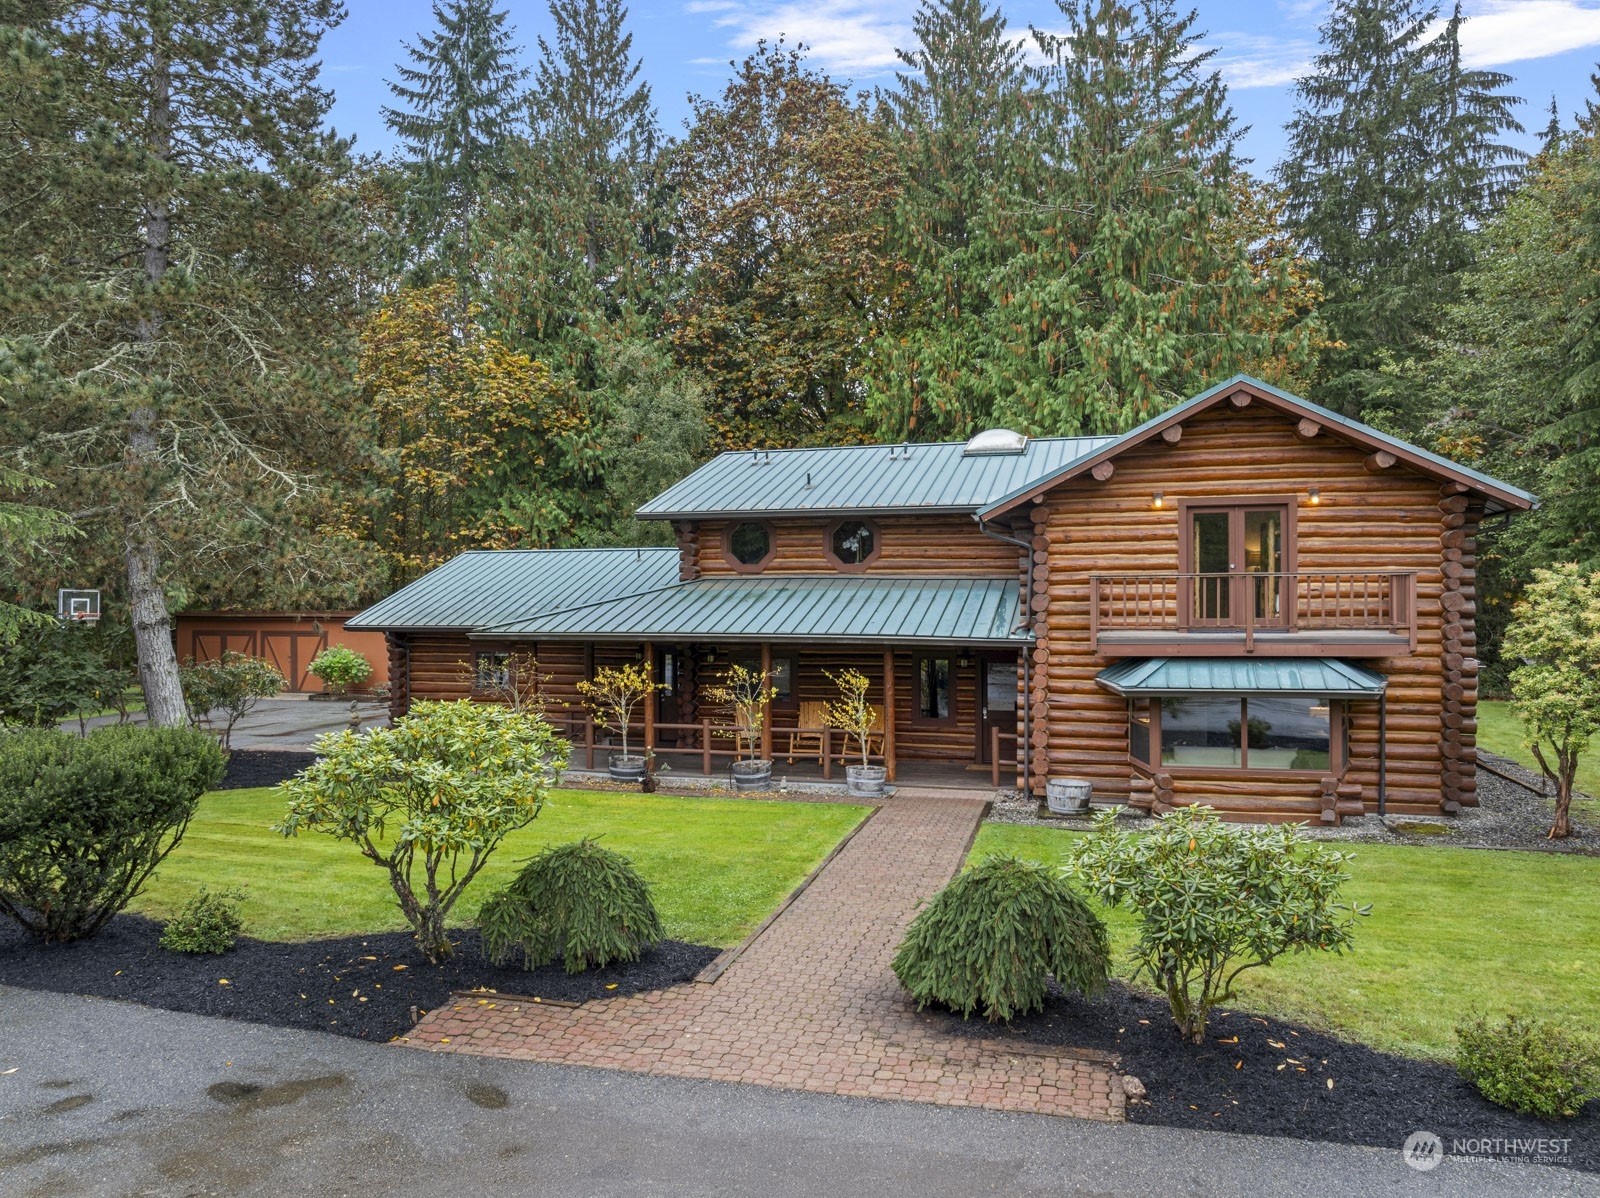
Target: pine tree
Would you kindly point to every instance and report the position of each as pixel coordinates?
(461, 99)
(177, 282)
(1130, 292)
(959, 119)
(1393, 159)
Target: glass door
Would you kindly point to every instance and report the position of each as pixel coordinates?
(1235, 563)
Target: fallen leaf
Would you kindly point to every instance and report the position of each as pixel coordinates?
(369, 958)
(10, 1071)
(1238, 1064)
(444, 1039)
(1282, 1067)
(1146, 1022)
(361, 1000)
(1330, 1083)
(1295, 1034)
(355, 994)
(398, 968)
(611, 986)
(223, 982)
(1276, 1043)
(118, 974)
(1229, 1040)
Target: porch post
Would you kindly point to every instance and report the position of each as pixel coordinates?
(766, 705)
(888, 712)
(649, 698)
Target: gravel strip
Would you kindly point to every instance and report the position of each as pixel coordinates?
(362, 986)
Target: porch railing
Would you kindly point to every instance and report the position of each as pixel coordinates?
(1305, 601)
(589, 739)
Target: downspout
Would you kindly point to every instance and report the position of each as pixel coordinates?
(1027, 655)
(1383, 753)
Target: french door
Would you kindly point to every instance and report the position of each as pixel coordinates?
(1235, 561)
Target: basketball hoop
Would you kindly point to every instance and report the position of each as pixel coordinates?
(78, 607)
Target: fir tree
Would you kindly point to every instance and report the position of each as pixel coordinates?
(461, 99)
(177, 278)
(1393, 159)
(959, 119)
(1129, 293)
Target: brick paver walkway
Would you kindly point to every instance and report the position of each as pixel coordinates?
(812, 1003)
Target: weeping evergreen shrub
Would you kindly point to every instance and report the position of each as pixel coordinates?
(580, 902)
(992, 937)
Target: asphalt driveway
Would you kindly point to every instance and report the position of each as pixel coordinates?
(110, 1098)
(286, 722)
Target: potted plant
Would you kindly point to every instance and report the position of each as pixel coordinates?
(744, 694)
(613, 695)
(858, 720)
(340, 668)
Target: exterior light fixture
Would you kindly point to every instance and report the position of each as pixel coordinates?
(1315, 494)
(1158, 500)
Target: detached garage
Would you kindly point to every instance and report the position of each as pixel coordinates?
(289, 640)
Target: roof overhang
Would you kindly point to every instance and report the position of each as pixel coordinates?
(1242, 390)
(1319, 677)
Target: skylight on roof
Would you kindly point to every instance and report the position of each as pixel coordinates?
(995, 441)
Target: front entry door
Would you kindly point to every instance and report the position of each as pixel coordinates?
(1236, 567)
(997, 704)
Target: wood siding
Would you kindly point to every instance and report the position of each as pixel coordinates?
(939, 545)
(1389, 520)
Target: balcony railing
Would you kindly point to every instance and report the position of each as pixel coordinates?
(1345, 608)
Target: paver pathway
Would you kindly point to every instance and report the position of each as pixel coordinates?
(812, 1003)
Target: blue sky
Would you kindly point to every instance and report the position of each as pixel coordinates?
(1548, 46)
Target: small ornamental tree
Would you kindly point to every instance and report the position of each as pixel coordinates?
(340, 668)
(429, 799)
(852, 714)
(231, 684)
(615, 694)
(992, 938)
(743, 695)
(1554, 637)
(1214, 900)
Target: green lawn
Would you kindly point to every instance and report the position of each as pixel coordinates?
(1500, 731)
(717, 866)
(1452, 931)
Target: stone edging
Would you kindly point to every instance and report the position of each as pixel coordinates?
(728, 956)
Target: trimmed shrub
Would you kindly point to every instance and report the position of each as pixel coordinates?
(340, 668)
(84, 821)
(1530, 1066)
(580, 902)
(990, 939)
(208, 923)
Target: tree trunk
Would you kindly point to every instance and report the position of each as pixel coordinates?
(1561, 828)
(147, 601)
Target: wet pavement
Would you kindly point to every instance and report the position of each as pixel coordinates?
(288, 721)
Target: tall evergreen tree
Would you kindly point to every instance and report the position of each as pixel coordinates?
(460, 100)
(175, 295)
(959, 118)
(1394, 157)
(1132, 290)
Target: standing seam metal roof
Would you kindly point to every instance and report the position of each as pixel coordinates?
(1258, 675)
(794, 607)
(495, 585)
(862, 478)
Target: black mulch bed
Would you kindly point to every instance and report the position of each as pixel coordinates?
(262, 767)
(1233, 1082)
(363, 986)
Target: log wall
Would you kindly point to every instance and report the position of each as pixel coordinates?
(942, 545)
(1384, 520)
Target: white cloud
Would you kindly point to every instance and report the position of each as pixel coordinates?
(1250, 60)
(1502, 31)
(855, 37)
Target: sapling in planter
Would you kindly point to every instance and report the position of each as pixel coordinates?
(613, 696)
(858, 720)
(743, 695)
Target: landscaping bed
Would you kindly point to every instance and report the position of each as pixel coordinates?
(361, 986)
(248, 768)
(1234, 1081)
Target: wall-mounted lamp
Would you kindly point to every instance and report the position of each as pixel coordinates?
(964, 661)
(1315, 495)
(1158, 500)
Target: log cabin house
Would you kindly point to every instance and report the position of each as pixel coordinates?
(1248, 601)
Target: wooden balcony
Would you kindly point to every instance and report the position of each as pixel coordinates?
(1344, 613)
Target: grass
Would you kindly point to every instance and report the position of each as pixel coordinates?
(1452, 932)
(716, 866)
(1500, 731)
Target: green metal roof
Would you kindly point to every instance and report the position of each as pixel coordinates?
(911, 478)
(1241, 676)
(1503, 495)
(793, 608)
(484, 585)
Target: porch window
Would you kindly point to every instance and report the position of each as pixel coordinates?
(782, 675)
(491, 671)
(935, 700)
